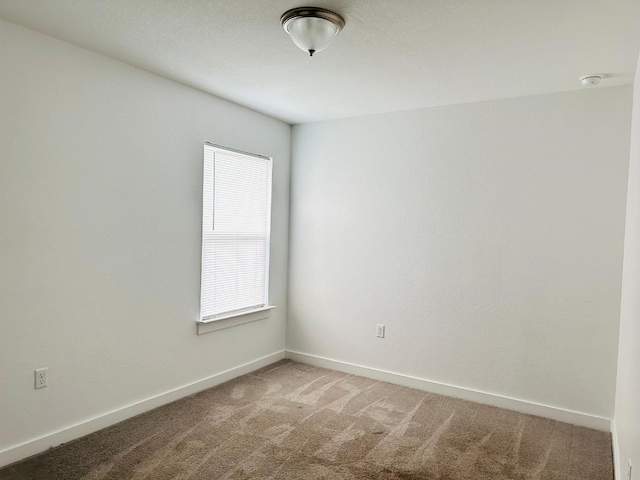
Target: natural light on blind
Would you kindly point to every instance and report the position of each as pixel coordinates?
(235, 232)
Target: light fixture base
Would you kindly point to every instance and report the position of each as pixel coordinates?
(302, 12)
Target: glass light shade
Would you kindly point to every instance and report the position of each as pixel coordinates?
(311, 28)
(312, 34)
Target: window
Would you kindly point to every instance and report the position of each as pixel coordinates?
(236, 221)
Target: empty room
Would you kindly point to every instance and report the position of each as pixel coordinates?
(336, 240)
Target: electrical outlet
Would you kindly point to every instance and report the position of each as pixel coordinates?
(380, 331)
(41, 378)
(629, 474)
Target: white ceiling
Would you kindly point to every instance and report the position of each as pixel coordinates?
(392, 54)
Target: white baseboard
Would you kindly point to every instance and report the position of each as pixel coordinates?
(555, 413)
(617, 465)
(37, 445)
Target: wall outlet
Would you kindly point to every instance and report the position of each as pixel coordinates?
(41, 378)
(629, 474)
(380, 331)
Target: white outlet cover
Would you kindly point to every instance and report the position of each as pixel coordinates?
(40, 378)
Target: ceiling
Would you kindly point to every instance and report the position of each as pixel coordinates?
(392, 54)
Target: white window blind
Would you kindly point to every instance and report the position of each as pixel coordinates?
(235, 232)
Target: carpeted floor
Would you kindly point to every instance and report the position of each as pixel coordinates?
(293, 421)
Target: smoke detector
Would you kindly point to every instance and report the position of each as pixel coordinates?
(590, 80)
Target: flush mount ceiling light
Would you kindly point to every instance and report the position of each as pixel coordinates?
(311, 28)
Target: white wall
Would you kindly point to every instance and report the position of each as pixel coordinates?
(487, 237)
(100, 223)
(627, 414)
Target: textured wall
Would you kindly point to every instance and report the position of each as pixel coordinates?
(100, 224)
(627, 415)
(487, 237)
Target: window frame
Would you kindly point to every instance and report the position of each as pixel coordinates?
(239, 316)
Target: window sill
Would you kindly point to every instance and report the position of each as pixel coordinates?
(206, 326)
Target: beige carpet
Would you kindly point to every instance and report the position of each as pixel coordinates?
(294, 421)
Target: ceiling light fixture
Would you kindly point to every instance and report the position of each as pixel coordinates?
(311, 28)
